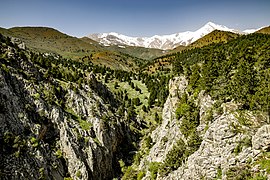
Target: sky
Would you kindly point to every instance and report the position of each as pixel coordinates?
(133, 17)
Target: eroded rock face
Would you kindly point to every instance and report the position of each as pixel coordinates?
(261, 140)
(41, 139)
(168, 132)
(230, 139)
(216, 151)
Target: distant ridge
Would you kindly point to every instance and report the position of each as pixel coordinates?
(164, 42)
(265, 30)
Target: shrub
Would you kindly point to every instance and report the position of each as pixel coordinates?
(130, 174)
(140, 175)
(34, 142)
(36, 96)
(174, 158)
(85, 125)
(239, 173)
(265, 164)
(79, 174)
(181, 110)
(153, 168)
(59, 154)
(219, 173)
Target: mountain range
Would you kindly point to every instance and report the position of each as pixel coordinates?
(164, 42)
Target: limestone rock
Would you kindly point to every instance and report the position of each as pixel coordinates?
(226, 143)
(168, 132)
(261, 140)
(41, 139)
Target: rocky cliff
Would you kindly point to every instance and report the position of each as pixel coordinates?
(234, 144)
(52, 129)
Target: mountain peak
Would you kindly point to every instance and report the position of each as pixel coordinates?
(164, 42)
(210, 24)
(213, 26)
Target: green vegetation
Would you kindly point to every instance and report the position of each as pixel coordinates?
(238, 173)
(139, 52)
(85, 125)
(174, 158)
(78, 174)
(265, 162)
(245, 172)
(41, 173)
(140, 175)
(68, 178)
(130, 173)
(240, 60)
(179, 153)
(34, 142)
(48, 40)
(219, 173)
(214, 37)
(246, 142)
(153, 168)
(59, 154)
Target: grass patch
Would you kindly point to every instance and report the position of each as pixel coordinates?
(265, 162)
(85, 125)
(219, 173)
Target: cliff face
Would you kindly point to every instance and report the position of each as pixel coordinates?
(233, 143)
(42, 136)
(165, 135)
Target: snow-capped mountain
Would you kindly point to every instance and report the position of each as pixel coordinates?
(164, 42)
(249, 31)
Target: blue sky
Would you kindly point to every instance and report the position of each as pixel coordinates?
(133, 17)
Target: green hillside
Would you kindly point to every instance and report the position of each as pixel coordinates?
(237, 70)
(214, 37)
(49, 40)
(178, 49)
(265, 30)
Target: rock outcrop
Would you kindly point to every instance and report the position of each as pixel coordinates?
(233, 142)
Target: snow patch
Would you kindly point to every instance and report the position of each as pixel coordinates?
(163, 42)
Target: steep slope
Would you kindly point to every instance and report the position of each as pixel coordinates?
(159, 42)
(225, 147)
(56, 119)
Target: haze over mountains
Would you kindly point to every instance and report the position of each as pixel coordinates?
(164, 42)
